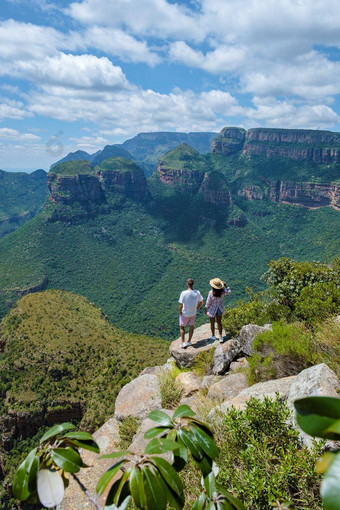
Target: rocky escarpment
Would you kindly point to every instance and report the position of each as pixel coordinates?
(305, 194)
(214, 189)
(79, 182)
(321, 147)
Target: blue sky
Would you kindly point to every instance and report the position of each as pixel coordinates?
(86, 73)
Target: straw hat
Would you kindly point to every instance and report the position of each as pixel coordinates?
(216, 283)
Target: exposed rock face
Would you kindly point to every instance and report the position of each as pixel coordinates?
(251, 192)
(130, 184)
(247, 336)
(200, 343)
(183, 179)
(224, 354)
(214, 190)
(306, 194)
(189, 382)
(138, 397)
(228, 387)
(67, 189)
(229, 141)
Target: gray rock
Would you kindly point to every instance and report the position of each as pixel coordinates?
(260, 390)
(150, 370)
(224, 355)
(138, 397)
(228, 387)
(247, 335)
(189, 383)
(139, 443)
(194, 402)
(208, 380)
(238, 365)
(200, 343)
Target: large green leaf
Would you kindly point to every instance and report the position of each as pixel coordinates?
(55, 430)
(205, 465)
(120, 490)
(67, 459)
(20, 486)
(183, 410)
(115, 455)
(160, 446)
(161, 418)
(199, 503)
(86, 445)
(50, 488)
(106, 478)
(335, 427)
(209, 484)
(123, 506)
(190, 441)
(180, 458)
(155, 431)
(170, 475)
(155, 498)
(137, 487)
(238, 505)
(173, 499)
(317, 415)
(330, 486)
(207, 444)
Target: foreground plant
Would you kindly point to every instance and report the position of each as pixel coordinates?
(320, 417)
(42, 475)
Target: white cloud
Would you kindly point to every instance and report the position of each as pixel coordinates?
(144, 17)
(13, 110)
(14, 135)
(120, 44)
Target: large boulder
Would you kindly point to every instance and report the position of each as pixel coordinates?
(107, 438)
(138, 397)
(200, 343)
(261, 390)
(240, 364)
(189, 383)
(224, 354)
(247, 335)
(228, 387)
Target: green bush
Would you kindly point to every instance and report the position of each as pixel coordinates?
(262, 461)
(316, 303)
(170, 389)
(127, 429)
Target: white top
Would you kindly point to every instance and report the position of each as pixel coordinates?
(190, 299)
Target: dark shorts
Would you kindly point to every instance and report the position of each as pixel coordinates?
(218, 313)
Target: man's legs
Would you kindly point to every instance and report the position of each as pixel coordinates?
(191, 332)
(182, 330)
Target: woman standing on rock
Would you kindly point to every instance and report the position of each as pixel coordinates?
(214, 306)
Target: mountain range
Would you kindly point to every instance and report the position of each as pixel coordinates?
(128, 242)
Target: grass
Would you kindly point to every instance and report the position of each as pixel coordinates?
(127, 429)
(170, 389)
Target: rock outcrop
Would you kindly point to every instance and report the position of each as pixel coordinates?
(214, 190)
(200, 343)
(306, 194)
(229, 141)
(138, 397)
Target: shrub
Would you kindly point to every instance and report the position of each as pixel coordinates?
(127, 429)
(261, 458)
(316, 303)
(170, 389)
(326, 337)
(285, 351)
(203, 362)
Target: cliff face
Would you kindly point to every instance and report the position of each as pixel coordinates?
(298, 144)
(214, 190)
(183, 179)
(306, 194)
(88, 185)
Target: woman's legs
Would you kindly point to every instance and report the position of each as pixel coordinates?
(219, 324)
(212, 325)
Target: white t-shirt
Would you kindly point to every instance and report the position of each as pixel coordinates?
(189, 299)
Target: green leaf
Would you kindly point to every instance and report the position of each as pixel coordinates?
(161, 418)
(154, 494)
(80, 435)
(205, 465)
(207, 444)
(335, 427)
(315, 415)
(160, 446)
(191, 443)
(170, 475)
(172, 434)
(174, 500)
(123, 506)
(20, 487)
(67, 459)
(55, 430)
(183, 410)
(115, 455)
(238, 505)
(136, 487)
(323, 463)
(149, 434)
(106, 478)
(199, 503)
(120, 490)
(50, 488)
(209, 484)
(85, 445)
(330, 486)
(180, 458)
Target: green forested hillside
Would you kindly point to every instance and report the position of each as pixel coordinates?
(133, 262)
(60, 350)
(22, 195)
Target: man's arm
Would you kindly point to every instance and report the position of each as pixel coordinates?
(180, 308)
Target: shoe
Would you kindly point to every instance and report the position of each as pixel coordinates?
(183, 346)
(213, 338)
(189, 344)
(221, 340)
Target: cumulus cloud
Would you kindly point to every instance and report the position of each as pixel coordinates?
(14, 135)
(13, 110)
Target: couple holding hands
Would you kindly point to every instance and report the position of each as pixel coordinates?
(191, 300)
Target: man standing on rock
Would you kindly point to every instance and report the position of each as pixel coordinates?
(190, 301)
